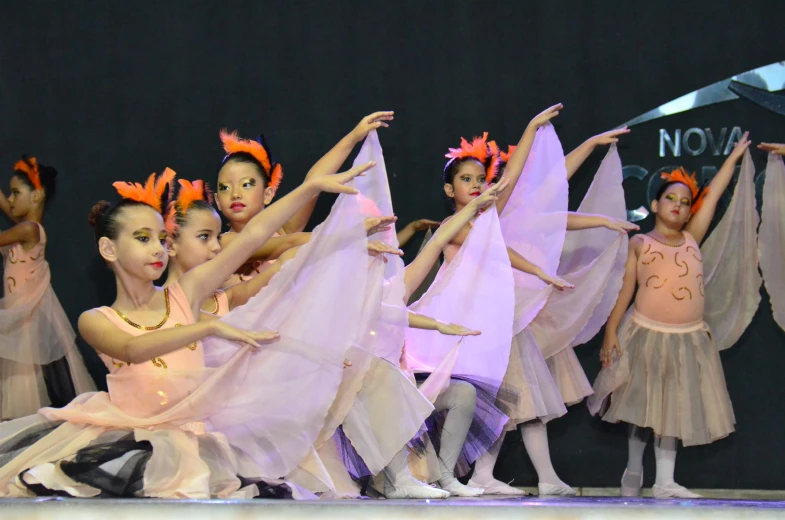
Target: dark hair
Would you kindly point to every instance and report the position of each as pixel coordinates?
(245, 157)
(666, 185)
(499, 172)
(182, 218)
(46, 175)
(104, 217)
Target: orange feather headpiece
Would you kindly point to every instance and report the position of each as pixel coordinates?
(29, 166)
(256, 148)
(698, 193)
(151, 193)
(189, 193)
(480, 149)
(505, 157)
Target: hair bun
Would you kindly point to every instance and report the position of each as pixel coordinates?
(51, 170)
(97, 212)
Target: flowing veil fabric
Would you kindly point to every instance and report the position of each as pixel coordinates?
(289, 386)
(593, 261)
(730, 264)
(771, 238)
(534, 222)
(374, 388)
(475, 289)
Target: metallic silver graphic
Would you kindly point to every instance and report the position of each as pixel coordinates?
(755, 85)
(636, 215)
(769, 101)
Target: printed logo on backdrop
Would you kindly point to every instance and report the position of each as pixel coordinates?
(760, 86)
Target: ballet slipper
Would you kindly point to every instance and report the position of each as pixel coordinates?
(631, 491)
(496, 487)
(556, 490)
(672, 490)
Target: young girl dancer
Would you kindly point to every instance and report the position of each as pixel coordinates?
(170, 427)
(193, 227)
(661, 368)
(249, 177)
(466, 177)
(39, 360)
(592, 260)
(545, 223)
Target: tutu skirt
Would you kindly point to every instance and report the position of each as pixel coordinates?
(529, 379)
(569, 376)
(40, 456)
(669, 378)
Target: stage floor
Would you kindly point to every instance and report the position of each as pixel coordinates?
(453, 509)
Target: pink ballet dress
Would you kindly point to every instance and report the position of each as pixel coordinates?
(149, 436)
(669, 377)
(38, 353)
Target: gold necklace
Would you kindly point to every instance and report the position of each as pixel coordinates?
(143, 327)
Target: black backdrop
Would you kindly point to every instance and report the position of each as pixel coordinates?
(116, 90)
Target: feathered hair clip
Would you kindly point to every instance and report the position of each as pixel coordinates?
(480, 149)
(189, 193)
(505, 157)
(151, 193)
(29, 166)
(698, 193)
(256, 148)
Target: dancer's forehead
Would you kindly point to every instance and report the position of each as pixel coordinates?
(472, 167)
(237, 171)
(678, 189)
(141, 217)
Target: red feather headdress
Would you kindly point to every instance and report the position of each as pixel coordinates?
(151, 193)
(505, 157)
(189, 193)
(234, 144)
(480, 149)
(682, 176)
(29, 166)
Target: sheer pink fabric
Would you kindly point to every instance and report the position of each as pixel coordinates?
(289, 386)
(592, 260)
(376, 389)
(730, 264)
(771, 238)
(475, 289)
(534, 222)
(384, 312)
(34, 331)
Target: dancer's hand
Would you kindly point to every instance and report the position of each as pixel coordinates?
(777, 148)
(555, 281)
(490, 195)
(423, 224)
(375, 225)
(246, 337)
(622, 226)
(543, 118)
(346, 363)
(609, 137)
(371, 122)
(336, 183)
(610, 344)
(740, 147)
(450, 329)
(377, 247)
